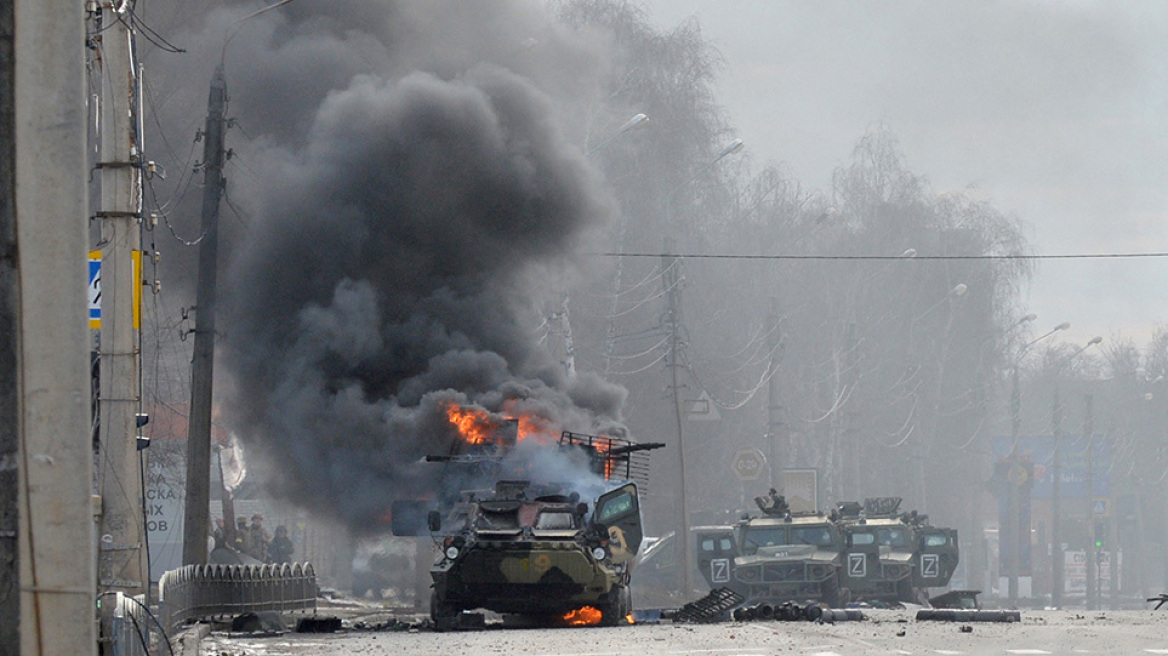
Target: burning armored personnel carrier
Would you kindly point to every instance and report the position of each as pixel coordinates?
(557, 553)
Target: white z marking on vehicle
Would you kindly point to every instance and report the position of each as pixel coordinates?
(930, 566)
(720, 570)
(857, 565)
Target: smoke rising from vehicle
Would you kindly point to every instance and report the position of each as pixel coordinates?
(411, 196)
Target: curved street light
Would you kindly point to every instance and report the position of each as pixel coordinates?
(671, 279)
(1056, 560)
(638, 120)
(732, 148)
(1011, 489)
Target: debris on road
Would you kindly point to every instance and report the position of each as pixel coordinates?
(946, 615)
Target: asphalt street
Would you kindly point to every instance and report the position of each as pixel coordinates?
(885, 632)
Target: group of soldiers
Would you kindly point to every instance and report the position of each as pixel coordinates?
(255, 541)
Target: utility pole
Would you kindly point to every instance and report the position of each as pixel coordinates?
(197, 511)
(9, 340)
(776, 428)
(43, 242)
(122, 533)
(559, 334)
(671, 275)
(1056, 503)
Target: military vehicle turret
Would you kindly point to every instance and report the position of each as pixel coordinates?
(779, 556)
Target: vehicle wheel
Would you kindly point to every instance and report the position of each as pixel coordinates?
(905, 591)
(831, 593)
(613, 612)
(845, 597)
(443, 615)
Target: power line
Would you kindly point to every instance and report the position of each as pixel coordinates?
(736, 256)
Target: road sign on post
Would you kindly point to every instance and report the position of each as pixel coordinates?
(748, 463)
(1099, 507)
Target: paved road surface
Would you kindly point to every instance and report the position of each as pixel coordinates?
(1040, 632)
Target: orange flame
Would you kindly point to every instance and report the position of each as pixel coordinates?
(474, 425)
(629, 618)
(603, 446)
(478, 426)
(586, 616)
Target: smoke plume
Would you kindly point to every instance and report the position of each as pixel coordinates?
(411, 195)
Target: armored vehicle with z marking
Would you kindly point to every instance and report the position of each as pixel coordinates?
(878, 552)
(780, 556)
(893, 556)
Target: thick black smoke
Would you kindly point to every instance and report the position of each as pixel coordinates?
(406, 222)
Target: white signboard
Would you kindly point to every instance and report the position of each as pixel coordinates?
(801, 488)
(1075, 570)
(164, 513)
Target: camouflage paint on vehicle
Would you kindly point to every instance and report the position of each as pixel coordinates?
(537, 551)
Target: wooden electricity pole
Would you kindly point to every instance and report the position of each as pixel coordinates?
(197, 511)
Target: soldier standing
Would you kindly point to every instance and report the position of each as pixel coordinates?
(242, 537)
(281, 547)
(259, 538)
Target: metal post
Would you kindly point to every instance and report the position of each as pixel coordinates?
(1112, 561)
(122, 554)
(1089, 550)
(1056, 549)
(197, 510)
(55, 464)
(1010, 540)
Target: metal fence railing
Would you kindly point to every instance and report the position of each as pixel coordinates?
(210, 591)
(127, 624)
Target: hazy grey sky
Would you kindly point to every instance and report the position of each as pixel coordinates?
(1054, 110)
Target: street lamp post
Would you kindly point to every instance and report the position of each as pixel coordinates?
(959, 290)
(1056, 550)
(637, 121)
(1012, 539)
(672, 280)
